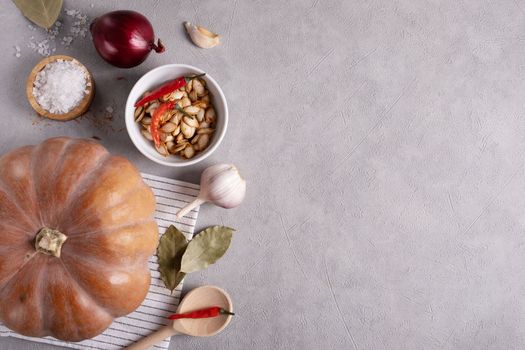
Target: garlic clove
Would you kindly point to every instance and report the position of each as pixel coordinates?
(202, 37)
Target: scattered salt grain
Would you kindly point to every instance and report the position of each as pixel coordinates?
(60, 86)
(54, 30)
(42, 47)
(17, 51)
(109, 109)
(78, 25)
(66, 41)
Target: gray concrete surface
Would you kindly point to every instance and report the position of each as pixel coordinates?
(383, 143)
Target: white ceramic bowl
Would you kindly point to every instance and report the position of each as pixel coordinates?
(153, 79)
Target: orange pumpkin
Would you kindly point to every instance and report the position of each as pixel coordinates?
(76, 231)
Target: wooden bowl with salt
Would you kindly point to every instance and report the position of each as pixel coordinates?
(79, 109)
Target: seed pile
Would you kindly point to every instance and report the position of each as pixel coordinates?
(186, 129)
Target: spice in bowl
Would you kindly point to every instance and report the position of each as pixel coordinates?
(178, 117)
(60, 86)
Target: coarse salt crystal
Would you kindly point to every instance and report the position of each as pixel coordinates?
(73, 20)
(66, 41)
(60, 86)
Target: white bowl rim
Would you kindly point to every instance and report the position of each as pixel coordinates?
(203, 155)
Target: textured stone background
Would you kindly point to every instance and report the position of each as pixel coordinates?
(383, 145)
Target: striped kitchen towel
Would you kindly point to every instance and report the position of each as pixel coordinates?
(159, 303)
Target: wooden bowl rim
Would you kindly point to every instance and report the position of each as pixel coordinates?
(75, 112)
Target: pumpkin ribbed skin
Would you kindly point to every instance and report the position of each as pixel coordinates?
(102, 205)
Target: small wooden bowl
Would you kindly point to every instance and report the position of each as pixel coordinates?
(75, 112)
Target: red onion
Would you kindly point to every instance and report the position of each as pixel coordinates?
(124, 38)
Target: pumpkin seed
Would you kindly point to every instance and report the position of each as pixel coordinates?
(146, 134)
(168, 127)
(162, 136)
(162, 150)
(193, 95)
(192, 110)
(188, 152)
(205, 131)
(189, 86)
(146, 121)
(195, 139)
(152, 107)
(165, 117)
(200, 104)
(176, 131)
(176, 118)
(165, 98)
(179, 147)
(185, 102)
(177, 95)
(203, 141)
(139, 113)
(179, 138)
(210, 115)
(190, 121)
(198, 87)
(187, 131)
(200, 115)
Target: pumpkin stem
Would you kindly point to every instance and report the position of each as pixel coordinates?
(49, 241)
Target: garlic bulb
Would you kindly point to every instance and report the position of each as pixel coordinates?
(221, 185)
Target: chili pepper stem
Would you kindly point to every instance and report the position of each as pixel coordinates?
(196, 76)
(226, 312)
(188, 79)
(180, 109)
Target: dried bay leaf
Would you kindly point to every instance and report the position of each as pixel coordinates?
(41, 12)
(169, 252)
(206, 248)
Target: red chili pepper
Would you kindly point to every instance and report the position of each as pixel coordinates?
(166, 88)
(213, 311)
(155, 121)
